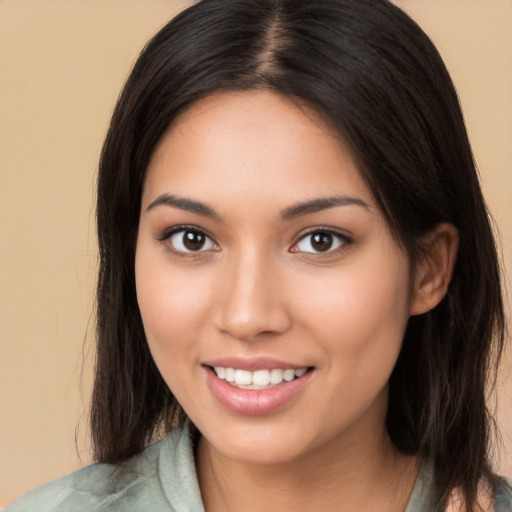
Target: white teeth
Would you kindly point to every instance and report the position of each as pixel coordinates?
(230, 375)
(243, 377)
(276, 376)
(221, 372)
(289, 375)
(260, 379)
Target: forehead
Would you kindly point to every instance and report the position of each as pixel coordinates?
(252, 143)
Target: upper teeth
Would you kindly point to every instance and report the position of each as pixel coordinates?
(258, 379)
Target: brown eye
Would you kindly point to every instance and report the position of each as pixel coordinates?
(191, 240)
(320, 241)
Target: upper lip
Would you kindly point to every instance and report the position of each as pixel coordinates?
(253, 363)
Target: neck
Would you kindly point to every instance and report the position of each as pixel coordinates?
(357, 469)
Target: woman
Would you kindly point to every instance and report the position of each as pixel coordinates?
(299, 285)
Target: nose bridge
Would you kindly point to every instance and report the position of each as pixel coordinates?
(252, 302)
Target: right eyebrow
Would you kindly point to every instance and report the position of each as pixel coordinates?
(322, 203)
(183, 203)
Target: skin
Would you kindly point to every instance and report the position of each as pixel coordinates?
(258, 288)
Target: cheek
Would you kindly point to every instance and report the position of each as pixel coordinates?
(360, 312)
(173, 304)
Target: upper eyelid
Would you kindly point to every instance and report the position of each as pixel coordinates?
(168, 232)
(324, 229)
(345, 239)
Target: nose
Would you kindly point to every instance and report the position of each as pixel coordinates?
(251, 303)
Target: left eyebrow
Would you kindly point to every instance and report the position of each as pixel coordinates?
(184, 203)
(323, 203)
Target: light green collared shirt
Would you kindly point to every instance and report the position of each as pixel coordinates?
(161, 479)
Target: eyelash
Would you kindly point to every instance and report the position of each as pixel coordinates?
(169, 233)
(343, 240)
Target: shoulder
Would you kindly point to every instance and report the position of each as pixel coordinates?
(503, 496)
(133, 485)
(500, 501)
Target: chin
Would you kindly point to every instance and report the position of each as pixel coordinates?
(273, 454)
(261, 445)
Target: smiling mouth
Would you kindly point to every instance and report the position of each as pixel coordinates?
(259, 379)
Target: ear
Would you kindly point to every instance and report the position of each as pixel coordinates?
(433, 270)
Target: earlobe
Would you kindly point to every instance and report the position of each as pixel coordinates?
(433, 271)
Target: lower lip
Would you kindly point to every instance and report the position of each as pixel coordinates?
(255, 402)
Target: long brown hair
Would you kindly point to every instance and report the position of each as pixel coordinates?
(381, 83)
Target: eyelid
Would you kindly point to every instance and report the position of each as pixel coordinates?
(345, 240)
(169, 232)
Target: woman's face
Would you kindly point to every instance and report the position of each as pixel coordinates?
(262, 252)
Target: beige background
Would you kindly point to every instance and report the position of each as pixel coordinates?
(62, 64)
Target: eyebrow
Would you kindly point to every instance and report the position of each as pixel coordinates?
(297, 210)
(317, 205)
(184, 203)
